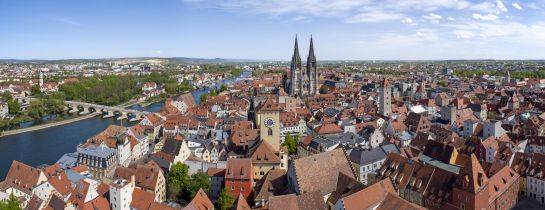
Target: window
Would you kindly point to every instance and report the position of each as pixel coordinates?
(270, 132)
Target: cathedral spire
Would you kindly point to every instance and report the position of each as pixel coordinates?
(296, 52)
(311, 49)
(295, 70)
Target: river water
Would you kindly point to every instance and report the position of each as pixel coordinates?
(46, 146)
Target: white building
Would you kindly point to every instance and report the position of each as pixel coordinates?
(121, 194)
(295, 129)
(536, 188)
(493, 128)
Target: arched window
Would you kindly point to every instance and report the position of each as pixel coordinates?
(270, 132)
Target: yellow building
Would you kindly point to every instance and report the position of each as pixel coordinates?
(268, 121)
(263, 160)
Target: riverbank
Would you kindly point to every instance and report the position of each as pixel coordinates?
(47, 125)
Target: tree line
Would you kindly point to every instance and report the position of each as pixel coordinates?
(114, 90)
(514, 74)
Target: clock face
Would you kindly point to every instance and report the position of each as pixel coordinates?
(269, 122)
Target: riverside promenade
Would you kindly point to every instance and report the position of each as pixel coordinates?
(48, 125)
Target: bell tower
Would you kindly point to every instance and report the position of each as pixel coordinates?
(268, 121)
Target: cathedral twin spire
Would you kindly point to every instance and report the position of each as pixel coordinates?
(303, 82)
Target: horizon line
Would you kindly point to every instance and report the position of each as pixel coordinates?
(270, 60)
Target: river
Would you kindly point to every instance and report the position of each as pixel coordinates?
(46, 146)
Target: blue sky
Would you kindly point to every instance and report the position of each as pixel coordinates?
(265, 29)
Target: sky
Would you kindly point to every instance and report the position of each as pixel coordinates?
(265, 29)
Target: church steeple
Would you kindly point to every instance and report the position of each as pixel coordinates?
(296, 58)
(311, 55)
(295, 70)
(312, 70)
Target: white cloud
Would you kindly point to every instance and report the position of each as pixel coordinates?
(409, 21)
(432, 17)
(484, 17)
(501, 6)
(374, 16)
(300, 18)
(516, 6)
(451, 18)
(353, 11)
(463, 34)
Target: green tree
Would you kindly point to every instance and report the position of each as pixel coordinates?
(13, 106)
(6, 95)
(203, 98)
(54, 106)
(179, 184)
(185, 86)
(179, 174)
(226, 200)
(236, 72)
(36, 109)
(291, 143)
(199, 180)
(223, 87)
(171, 88)
(106, 90)
(35, 90)
(11, 204)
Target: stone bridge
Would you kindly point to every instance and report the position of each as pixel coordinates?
(109, 111)
(85, 108)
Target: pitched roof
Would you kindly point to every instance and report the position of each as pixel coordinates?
(329, 128)
(22, 177)
(472, 177)
(61, 183)
(98, 203)
(366, 156)
(146, 175)
(370, 196)
(141, 199)
(238, 169)
(501, 181)
(269, 105)
(52, 170)
(188, 99)
(306, 201)
(240, 203)
(264, 153)
(273, 183)
(439, 151)
(393, 201)
(200, 202)
(320, 171)
(346, 186)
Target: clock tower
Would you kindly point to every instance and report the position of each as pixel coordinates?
(268, 121)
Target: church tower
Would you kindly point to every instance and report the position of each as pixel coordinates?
(312, 70)
(385, 105)
(295, 71)
(41, 79)
(268, 121)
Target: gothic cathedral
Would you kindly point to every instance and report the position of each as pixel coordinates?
(303, 82)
